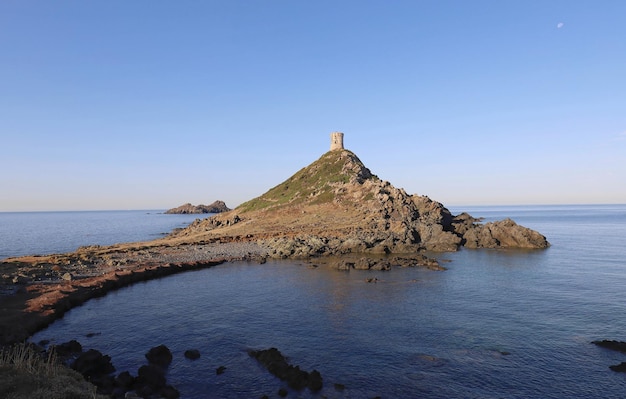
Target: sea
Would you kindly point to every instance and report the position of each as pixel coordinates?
(495, 324)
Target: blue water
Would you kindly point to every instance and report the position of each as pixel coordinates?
(496, 324)
(42, 233)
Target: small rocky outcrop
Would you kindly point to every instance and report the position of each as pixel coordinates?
(277, 364)
(501, 234)
(192, 354)
(618, 346)
(215, 207)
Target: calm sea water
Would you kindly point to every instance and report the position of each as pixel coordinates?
(496, 324)
(42, 233)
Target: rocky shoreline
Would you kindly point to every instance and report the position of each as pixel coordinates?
(37, 290)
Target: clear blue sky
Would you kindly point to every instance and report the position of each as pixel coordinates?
(151, 104)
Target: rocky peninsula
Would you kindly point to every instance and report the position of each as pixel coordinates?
(334, 209)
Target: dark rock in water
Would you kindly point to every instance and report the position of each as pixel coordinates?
(220, 370)
(124, 380)
(169, 392)
(67, 348)
(192, 354)
(160, 356)
(150, 378)
(315, 382)
(297, 379)
(92, 364)
(282, 392)
(619, 367)
(619, 346)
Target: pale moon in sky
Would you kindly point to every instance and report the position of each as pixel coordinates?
(560, 25)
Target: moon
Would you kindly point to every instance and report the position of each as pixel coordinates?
(560, 25)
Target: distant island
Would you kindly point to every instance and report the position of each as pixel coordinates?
(215, 207)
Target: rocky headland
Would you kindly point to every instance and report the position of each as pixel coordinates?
(215, 207)
(336, 206)
(335, 209)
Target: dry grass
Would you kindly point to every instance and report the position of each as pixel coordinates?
(25, 373)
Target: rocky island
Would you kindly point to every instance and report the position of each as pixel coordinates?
(334, 209)
(216, 207)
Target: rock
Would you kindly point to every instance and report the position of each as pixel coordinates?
(124, 380)
(160, 356)
(315, 382)
(192, 354)
(169, 392)
(619, 367)
(215, 207)
(92, 364)
(67, 277)
(503, 234)
(277, 364)
(220, 370)
(67, 348)
(282, 392)
(619, 346)
(150, 378)
(19, 280)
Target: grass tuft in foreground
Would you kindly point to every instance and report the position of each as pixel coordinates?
(26, 373)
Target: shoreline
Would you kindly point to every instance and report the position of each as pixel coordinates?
(38, 290)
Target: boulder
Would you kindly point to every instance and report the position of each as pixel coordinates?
(192, 354)
(160, 356)
(150, 378)
(92, 364)
(67, 349)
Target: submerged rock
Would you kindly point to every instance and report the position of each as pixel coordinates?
(619, 346)
(277, 364)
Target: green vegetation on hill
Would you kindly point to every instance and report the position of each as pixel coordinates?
(314, 184)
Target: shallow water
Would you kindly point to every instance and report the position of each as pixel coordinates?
(496, 324)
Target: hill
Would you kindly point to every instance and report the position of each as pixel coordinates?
(337, 206)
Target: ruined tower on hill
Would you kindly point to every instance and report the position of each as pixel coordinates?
(336, 141)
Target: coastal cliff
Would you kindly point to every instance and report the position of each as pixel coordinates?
(337, 206)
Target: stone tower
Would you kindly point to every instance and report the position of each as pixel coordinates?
(336, 141)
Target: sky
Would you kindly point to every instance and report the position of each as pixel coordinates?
(150, 104)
